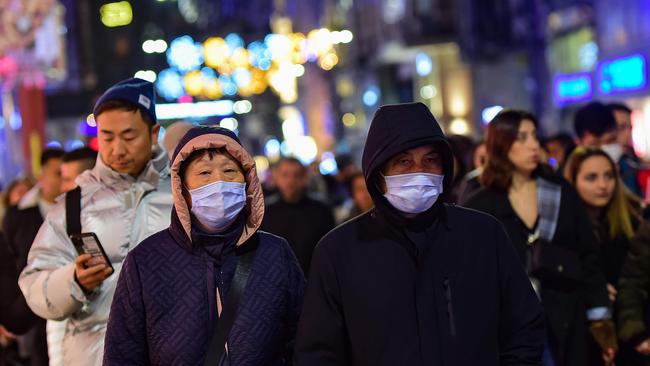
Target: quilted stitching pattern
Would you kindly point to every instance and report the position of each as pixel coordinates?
(164, 305)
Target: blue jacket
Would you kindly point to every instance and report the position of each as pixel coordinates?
(165, 305)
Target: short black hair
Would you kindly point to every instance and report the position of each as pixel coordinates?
(125, 105)
(619, 107)
(563, 139)
(291, 160)
(51, 153)
(82, 153)
(595, 118)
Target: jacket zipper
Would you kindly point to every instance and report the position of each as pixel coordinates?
(226, 354)
(450, 306)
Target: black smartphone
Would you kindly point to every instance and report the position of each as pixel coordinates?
(88, 243)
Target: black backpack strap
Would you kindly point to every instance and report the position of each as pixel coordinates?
(220, 333)
(73, 211)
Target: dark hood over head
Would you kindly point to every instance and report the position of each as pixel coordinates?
(396, 128)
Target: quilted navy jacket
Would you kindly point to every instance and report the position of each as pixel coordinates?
(165, 305)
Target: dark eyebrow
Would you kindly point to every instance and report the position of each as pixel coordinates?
(124, 132)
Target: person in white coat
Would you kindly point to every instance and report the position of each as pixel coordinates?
(125, 198)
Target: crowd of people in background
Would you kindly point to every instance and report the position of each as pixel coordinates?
(573, 209)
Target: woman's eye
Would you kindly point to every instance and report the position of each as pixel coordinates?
(205, 172)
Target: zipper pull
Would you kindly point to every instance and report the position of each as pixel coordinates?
(450, 306)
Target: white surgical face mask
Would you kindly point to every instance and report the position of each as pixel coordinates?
(413, 193)
(216, 205)
(615, 151)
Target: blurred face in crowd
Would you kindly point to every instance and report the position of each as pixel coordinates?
(70, 170)
(17, 193)
(209, 168)
(422, 159)
(290, 179)
(125, 140)
(480, 156)
(360, 194)
(556, 152)
(624, 127)
(50, 179)
(591, 140)
(596, 181)
(524, 153)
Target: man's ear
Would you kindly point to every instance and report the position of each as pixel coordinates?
(155, 130)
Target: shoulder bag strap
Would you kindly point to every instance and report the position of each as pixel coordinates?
(220, 333)
(73, 211)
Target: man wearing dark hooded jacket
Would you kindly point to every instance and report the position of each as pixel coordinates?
(415, 281)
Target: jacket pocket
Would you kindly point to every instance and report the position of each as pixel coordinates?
(450, 306)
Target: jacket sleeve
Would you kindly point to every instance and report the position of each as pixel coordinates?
(521, 321)
(48, 279)
(595, 286)
(295, 294)
(15, 315)
(9, 229)
(126, 335)
(633, 288)
(320, 340)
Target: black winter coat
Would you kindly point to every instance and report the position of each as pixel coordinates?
(634, 289)
(565, 305)
(385, 289)
(302, 224)
(20, 227)
(15, 315)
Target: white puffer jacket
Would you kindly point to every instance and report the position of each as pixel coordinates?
(122, 211)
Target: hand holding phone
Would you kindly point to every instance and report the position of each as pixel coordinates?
(90, 276)
(92, 265)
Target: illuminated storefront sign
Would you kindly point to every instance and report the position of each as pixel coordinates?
(626, 74)
(572, 88)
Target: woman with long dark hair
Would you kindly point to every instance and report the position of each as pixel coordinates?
(551, 231)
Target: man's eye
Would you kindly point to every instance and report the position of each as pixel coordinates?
(205, 172)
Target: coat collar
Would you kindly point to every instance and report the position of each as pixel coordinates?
(149, 178)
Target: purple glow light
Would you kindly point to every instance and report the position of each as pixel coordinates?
(572, 88)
